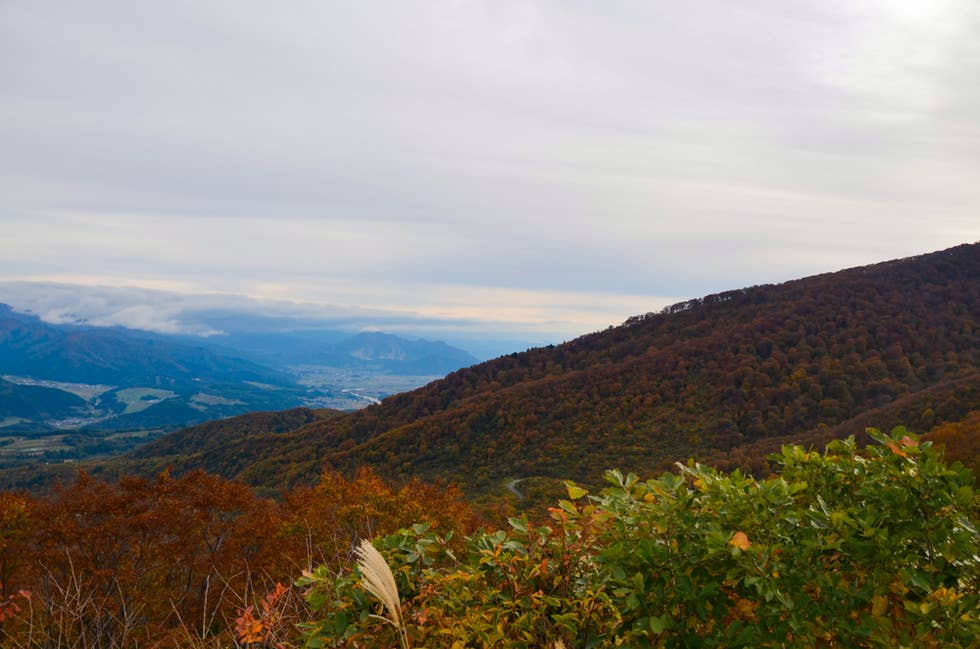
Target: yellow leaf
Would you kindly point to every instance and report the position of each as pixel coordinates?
(740, 541)
(745, 609)
(879, 604)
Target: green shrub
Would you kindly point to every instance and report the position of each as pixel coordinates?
(873, 547)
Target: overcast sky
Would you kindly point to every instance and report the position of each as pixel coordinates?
(552, 166)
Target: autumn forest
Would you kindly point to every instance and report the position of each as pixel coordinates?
(648, 485)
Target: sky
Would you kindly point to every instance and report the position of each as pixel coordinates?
(546, 168)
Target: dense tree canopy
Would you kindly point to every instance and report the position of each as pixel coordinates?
(145, 562)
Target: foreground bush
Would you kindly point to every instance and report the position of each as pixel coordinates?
(851, 548)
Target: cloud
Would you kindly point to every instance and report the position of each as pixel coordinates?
(134, 308)
(417, 155)
(473, 313)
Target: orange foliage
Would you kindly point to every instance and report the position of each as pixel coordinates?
(147, 561)
(339, 511)
(250, 629)
(741, 541)
(961, 440)
(178, 547)
(14, 520)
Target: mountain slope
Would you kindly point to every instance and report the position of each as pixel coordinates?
(37, 402)
(212, 435)
(703, 378)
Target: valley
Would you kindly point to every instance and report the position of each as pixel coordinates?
(71, 392)
(364, 386)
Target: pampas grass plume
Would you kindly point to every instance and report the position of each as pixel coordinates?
(377, 579)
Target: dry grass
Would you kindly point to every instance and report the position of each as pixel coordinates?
(377, 579)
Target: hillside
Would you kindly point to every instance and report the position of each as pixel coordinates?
(708, 378)
(36, 402)
(215, 434)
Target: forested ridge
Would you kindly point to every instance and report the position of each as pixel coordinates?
(728, 376)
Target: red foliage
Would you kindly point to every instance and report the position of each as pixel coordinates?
(149, 561)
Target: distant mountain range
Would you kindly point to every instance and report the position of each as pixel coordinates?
(63, 384)
(366, 351)
(727, 377)
(113, 355)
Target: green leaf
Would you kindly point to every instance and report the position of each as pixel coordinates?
(340, 623)
(574, 491)
(660, 624)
